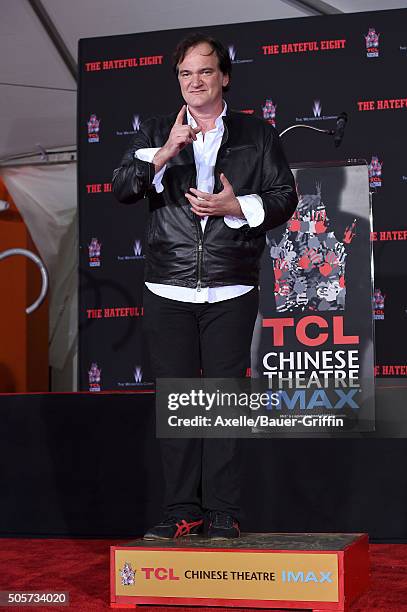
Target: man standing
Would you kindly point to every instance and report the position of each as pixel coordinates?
(216, 181)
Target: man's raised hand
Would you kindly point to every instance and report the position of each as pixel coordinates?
(180, 136)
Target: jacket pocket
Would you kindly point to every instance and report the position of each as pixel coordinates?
(239, 148)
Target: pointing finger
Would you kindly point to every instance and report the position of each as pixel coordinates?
(180, 117)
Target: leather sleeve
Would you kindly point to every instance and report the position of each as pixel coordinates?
(278, 191)
(133, 178)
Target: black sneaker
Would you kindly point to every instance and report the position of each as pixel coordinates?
(172, 528)
(222, 526)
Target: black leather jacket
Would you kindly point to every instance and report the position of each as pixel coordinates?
(177, 252)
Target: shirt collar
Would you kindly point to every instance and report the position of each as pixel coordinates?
(218, 121)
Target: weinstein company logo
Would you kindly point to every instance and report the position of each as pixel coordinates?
(316, 113)
(135, 124)
(137, 250)
(317, 108)
(233, 56)
(137, 379)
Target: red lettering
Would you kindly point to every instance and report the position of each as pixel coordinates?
(94, 188)
(301, 331)
(92, 66)
(271, 49)
(160, 573)
(278, 326)
(147, 571)
(151, 60)
(333, 44)
(339, 337)
(366, 105)
(171, 574)
(94, 313)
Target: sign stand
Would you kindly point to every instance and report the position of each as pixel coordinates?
(319, 572)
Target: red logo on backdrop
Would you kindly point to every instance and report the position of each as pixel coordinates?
(115, 312)
(94, 249)
(385, 104)
(269, 111)
(128, 62)
(387, 235)
(375, 172)
(304, 46)
(378, 305)
(372, 43)
(94, 376)
(93, 188)
(93, 128)
(391, 370)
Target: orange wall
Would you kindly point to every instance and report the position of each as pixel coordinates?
(23, 338)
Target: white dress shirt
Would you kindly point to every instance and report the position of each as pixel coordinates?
(205, 154)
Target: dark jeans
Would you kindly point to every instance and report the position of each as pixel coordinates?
(183, 339)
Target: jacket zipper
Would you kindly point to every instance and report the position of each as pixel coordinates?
(198, 286)
(200, 253)
(198, 223)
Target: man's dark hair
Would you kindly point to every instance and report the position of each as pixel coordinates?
(225, 65)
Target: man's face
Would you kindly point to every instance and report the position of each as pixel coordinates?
(200, 78)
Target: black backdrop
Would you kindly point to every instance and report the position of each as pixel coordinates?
(125, 79)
